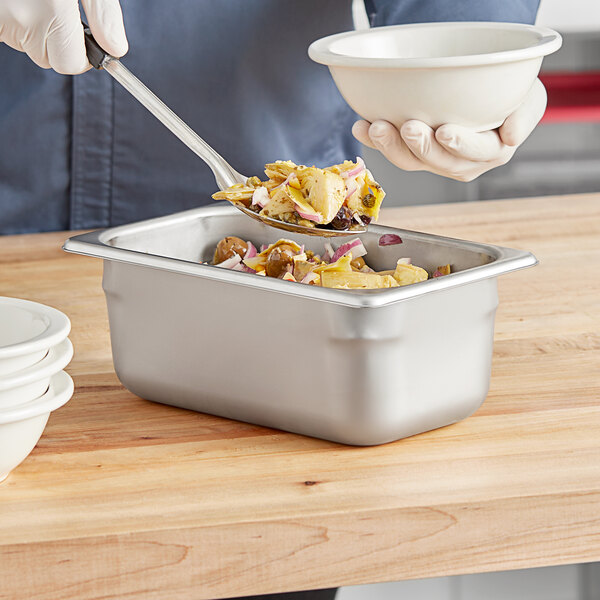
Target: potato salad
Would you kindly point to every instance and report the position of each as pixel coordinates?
(341, 268)
(342, 197)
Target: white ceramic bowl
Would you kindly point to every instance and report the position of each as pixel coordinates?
(32, 382)
(469, 73)
(27, 331)
(22, 426)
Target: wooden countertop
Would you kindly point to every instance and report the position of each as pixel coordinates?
(123, 498)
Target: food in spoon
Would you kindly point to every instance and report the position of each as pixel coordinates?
(341, 268)
(342, 197)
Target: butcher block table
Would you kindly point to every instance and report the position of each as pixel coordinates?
(124, 498)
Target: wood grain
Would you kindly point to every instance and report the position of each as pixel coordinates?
(123, 498)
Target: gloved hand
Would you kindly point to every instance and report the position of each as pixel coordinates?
(454, 151)
(50, 31)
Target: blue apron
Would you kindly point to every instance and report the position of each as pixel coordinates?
(79, 152)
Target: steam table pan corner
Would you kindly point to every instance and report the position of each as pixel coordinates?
(360, 367)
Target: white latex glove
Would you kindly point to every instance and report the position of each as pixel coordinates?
(51, 34)
(454, 151)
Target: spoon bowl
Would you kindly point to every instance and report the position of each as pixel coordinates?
(290, 227)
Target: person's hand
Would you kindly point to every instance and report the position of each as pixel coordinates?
(451, 150)
(51, 34)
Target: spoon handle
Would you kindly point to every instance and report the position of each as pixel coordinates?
(225, 174)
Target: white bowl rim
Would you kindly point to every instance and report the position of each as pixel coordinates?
(549, 41)
(58, 358)
(59, 393)
(58, 329)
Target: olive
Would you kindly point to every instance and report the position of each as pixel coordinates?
(229, 246)
(279, 260)
(358, 263)
(368, 201)
(343, 219)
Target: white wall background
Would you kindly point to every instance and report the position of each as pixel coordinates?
(570, 15)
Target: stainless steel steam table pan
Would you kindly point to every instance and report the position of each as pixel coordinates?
(360, 367)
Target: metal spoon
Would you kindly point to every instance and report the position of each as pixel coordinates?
(225, 174)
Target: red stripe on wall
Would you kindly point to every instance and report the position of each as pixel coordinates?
(572, 97)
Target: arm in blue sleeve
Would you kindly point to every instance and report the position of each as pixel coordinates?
(396, 12)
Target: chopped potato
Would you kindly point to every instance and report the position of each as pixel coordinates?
(407, 274)
(356, 280)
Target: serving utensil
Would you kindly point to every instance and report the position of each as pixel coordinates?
(225, 174)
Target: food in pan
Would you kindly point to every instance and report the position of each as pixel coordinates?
(342, 197)
(341, 268)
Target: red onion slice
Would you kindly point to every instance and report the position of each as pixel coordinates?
(356, 246)
(231, 262)
(251, 251)
(389, 239)
(308, 217)
(360, 167)
(351, 191)
(260, 196)
(329, 252)
(285, 181)
(309, 277)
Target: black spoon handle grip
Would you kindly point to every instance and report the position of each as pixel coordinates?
(95, 54)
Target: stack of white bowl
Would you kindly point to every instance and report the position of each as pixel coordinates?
(34, 350)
